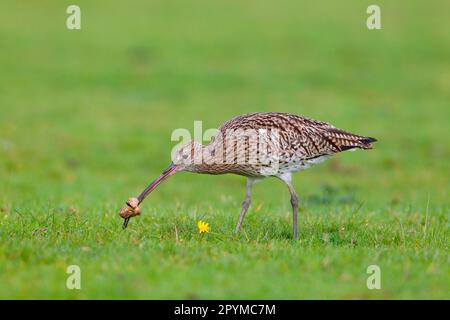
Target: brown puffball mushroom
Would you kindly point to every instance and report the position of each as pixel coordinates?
(131, 209)
(127, 212)
(133, 202)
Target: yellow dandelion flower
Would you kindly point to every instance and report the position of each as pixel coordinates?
(202, 226)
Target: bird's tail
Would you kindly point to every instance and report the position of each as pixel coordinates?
(366, 142)
(343, 140)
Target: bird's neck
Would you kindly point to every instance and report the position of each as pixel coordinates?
(206, 162)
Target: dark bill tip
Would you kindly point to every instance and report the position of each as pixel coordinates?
(125, 223)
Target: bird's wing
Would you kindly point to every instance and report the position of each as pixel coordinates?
(320, 138)
(307, 138)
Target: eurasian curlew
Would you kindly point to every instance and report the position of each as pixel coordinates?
(258, 145)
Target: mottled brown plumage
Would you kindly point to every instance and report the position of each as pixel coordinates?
(260, 145)
(302, 142)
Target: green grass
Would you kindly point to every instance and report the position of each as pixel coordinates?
(86, 118)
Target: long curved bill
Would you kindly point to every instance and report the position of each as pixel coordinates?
(170, 170)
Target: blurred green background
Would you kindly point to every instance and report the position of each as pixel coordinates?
(85, 122)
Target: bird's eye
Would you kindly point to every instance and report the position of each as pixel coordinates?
(185, 156)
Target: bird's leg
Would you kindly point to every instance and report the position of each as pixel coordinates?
(245, 203)
(294, 202)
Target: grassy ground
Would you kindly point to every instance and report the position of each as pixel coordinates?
(86, 118)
